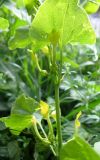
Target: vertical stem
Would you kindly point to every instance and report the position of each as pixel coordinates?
(47, 138)
(57, 103)
(58, 118)
(61, 62)
(54, 57)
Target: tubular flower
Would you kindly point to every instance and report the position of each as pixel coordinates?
(44, 108)
(77, 122)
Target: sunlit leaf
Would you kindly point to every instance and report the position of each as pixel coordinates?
(91, 7)
(4, 24)
(63, 21)
(78, 149)
(17, 123)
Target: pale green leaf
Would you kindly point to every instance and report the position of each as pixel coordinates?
(78, 149)
(4, 24)
(91, 7)
(61, 21)
(97, 147)
(20, 13)
(20, 39)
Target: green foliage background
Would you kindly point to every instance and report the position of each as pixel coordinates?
(79, 90)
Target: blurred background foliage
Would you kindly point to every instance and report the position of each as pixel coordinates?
(79, 90)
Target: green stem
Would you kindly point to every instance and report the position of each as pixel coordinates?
(52, 149)
(61, 62)
(54, 56)
(51, 134)
(57, 102)
(58, 118)
(44, 140)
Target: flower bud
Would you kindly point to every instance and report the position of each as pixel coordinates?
(53, 115)
(45, 50)
(34, 121)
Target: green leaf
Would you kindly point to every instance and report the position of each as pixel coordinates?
(21, 115)
(97, 147)
(91, 106)
(14, 150)
(91, 7)
(17, 25)
(61, 21)
(4, 24)
(17, 123)
(19, 13)
(20, 3)
(30, 5)
(71, 62)
(24, 106)
(20, 39)
(78, 149)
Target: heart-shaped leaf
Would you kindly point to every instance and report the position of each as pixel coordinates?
(17, 123)
(21, 115)
(61, 21)
(78, 149)
(24, 106)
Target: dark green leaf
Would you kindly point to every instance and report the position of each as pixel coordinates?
(14, 150)
(91, 106)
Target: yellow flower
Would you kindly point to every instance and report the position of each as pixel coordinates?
(44, 108)
(77, 122)
(45, 50)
